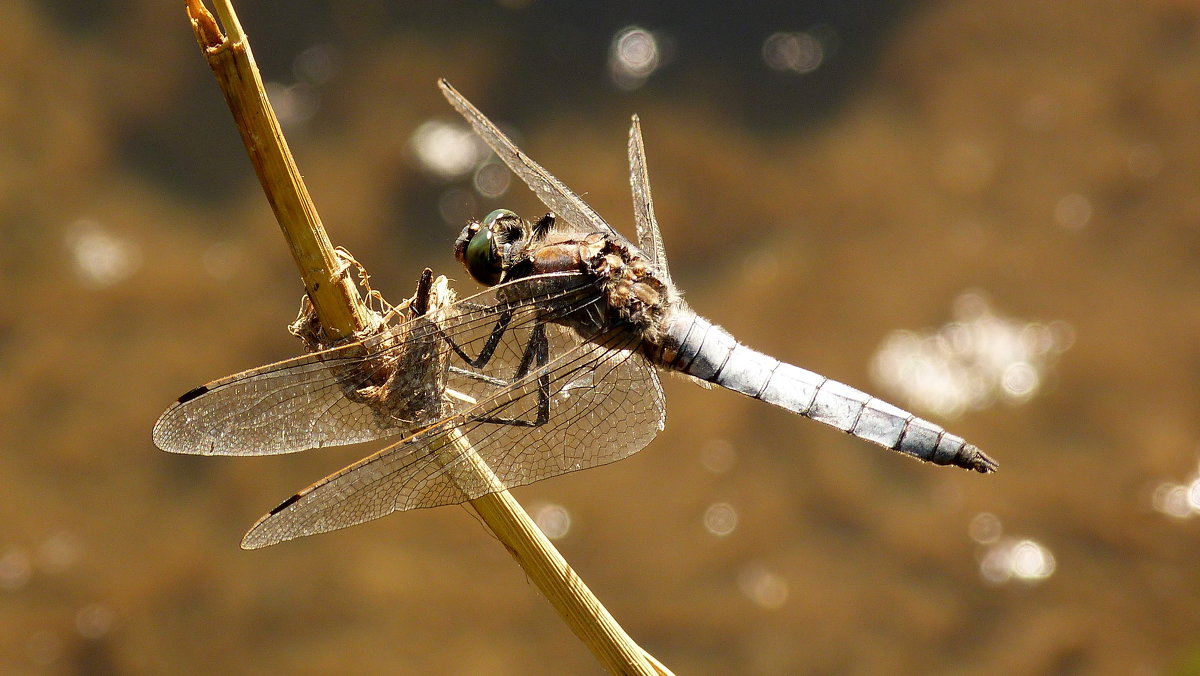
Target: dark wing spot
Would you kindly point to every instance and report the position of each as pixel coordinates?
(287, 503)
(192, 394)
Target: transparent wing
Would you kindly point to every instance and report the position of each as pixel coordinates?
(340, 396)
(604, 402)
(551, 191)
(388, 385)
(649, 238)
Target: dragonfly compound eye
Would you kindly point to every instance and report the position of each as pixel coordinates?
(505, 224)
(482, 259)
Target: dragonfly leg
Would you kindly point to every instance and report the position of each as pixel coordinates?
(588, 306)
(489, 348)
(537, 353)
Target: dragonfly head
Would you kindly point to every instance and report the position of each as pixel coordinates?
(483, 247)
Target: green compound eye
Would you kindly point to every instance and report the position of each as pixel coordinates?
(490, 220)
(481, 257)
(496, 215)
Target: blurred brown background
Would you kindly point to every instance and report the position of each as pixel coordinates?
(1020, 177)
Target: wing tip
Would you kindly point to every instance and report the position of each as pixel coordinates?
(256, 538)
(163, 437)
(456, 99)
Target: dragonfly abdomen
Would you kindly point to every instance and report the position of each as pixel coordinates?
(704, 350)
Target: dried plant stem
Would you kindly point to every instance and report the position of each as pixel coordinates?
(332, 291)
(342, 313)
(565, 590)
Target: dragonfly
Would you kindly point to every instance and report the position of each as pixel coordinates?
(553, 369)
(640, 299)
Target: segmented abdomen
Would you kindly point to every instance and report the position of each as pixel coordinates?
(702, 349)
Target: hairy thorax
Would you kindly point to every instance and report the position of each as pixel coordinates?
(631, 288)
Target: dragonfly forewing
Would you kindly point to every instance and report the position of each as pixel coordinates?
(551, 191)
(383, 386)
(649, 237)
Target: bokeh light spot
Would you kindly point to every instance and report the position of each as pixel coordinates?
(294, 104)
(985, 528)
(971, 362)
(766, 589)
(798, 52)
(492, 180)
(59, 552)
(718, 456)
(1178, 500)
(101, 258)
(634, 55)
(720, 519)
(447, 150)
(553, 520)
(1022, 560)
(317, 65)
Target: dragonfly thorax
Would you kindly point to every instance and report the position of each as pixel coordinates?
(504, 247)
(631, 287)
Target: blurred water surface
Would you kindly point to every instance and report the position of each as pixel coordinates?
(987, 211)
